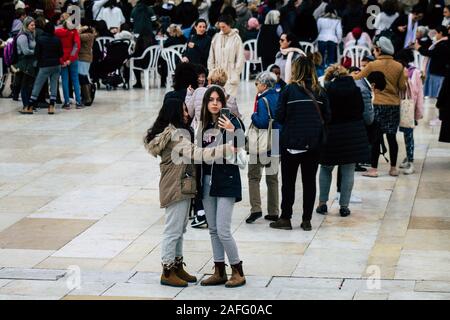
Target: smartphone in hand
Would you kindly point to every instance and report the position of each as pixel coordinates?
(225, 112)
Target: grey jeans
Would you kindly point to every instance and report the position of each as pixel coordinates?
(177, 216)
(347, 179)
(42, 76)
(218, 211)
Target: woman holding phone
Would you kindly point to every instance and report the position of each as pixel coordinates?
(177, 184)
(221, 186)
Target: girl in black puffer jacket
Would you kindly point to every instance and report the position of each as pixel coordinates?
(302, 112)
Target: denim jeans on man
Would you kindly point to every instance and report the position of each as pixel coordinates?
(71, 69)
(45, 73)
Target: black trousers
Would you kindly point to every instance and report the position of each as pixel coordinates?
(309, 163)
(393, 149)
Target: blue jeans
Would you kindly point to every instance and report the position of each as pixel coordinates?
(328, 50)
(347, 176)
(408, 134)
(44, 74)
(73, 70)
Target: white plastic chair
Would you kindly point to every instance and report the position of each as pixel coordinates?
(102, 42)
(171, 56)
(180, 48)
(356, 54)
(151, 71)
(307, 47)
(251, 45)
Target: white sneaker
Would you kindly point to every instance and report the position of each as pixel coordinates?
(404, 164)
(355, 199)
(409, 169)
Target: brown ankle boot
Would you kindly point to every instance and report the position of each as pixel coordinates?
(219, 276)
(181, 273)
(237, 278)
(27, 110)
(51, 109)
(169, 277)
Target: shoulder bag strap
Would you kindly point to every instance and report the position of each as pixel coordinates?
(316, 104)
(266, 102)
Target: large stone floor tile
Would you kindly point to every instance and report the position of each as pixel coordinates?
(314, 294)
(306, 283)
(142, 290)
(31, 274)
(422, 239)
(8, 219)
(419, 296)
(35, 288)
(432, 286)
(86, 203)
(370, 295)
(380, 286)
(423, 265)
(221, 293)
(336, 263)
(21, 258)
(16, 204)
(92, 248)
(64, 263)
(42, 234)
(430, 223)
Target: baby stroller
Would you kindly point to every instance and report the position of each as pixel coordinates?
(109, 69)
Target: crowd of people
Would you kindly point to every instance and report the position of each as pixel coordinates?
(315, 110)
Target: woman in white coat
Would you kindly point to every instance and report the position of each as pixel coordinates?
(227, 52)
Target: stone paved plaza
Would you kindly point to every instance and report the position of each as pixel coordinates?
(79, 192)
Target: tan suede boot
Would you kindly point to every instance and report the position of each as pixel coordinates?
(181, 273)
(219, 276)
(169, 277)
(237, 278)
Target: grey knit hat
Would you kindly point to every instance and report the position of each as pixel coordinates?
(385, 44)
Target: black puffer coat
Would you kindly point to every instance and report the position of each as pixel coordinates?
(347, 137)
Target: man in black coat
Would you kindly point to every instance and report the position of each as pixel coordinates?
(405, 25)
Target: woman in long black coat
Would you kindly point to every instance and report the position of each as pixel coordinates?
(347, 142)
(268, 38)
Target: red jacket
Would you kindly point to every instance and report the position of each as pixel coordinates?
(70, 40)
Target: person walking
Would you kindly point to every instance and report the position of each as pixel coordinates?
(221, 188)
(302, 112)
(177, 183)
(227, 52)
(330, 35)
(70, 40)
(415, 92)
(266, 105)
(26, 63)
(85, 57)
(198, 46)
(386, 103)
(347, 142)
(289, 51)
(48, 53)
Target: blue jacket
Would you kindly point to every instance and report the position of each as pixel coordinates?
(261, 118)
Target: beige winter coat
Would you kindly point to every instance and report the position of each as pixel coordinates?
(177, 160)
(227, 51)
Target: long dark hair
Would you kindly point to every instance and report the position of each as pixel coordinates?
(205, 115)
(304, 74)
(185, 76)
(171, 113)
